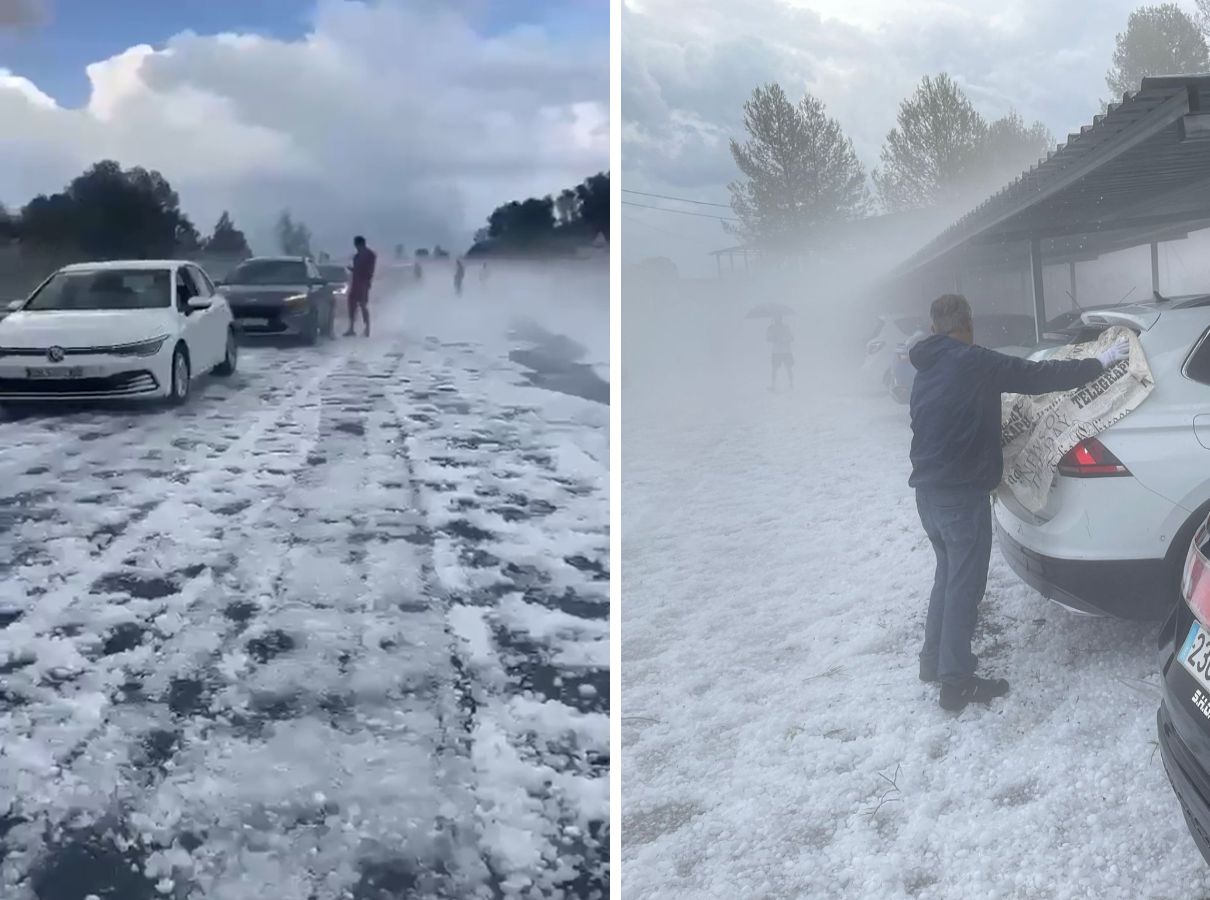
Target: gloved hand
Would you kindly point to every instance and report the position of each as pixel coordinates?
(1115, 353)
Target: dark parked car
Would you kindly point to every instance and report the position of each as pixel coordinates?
(281, 295)
(1184, 716)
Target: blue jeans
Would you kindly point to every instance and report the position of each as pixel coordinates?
(958, 523)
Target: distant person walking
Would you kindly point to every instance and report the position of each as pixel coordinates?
(459, 274)
(359, 284)
(956, 465)
(781, 340)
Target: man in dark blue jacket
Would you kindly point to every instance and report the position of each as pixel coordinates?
(956, 465)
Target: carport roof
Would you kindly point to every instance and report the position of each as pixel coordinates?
(1138, 173)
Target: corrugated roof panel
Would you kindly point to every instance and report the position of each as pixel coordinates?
(1151, 160)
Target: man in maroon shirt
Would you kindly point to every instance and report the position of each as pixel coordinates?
(359, 284)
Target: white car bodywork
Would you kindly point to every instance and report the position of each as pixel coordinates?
(1114, 545)
(892, 331)
(85, 354)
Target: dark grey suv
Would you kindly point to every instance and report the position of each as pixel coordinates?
(281, 295)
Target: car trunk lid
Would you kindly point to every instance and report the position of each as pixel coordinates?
(1140, 319)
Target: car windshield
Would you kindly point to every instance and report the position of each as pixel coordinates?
(334, 274)
(104, 289)
(269, 271)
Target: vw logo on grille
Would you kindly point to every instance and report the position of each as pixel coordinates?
(55, 354)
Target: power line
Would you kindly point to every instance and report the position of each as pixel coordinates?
(677, 199)
(668, 231)
(680, 212)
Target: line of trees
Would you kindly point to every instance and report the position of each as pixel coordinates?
(799, 170)
(548, 225)
(108, 212)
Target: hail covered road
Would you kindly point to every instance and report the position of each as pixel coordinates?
(338, 628)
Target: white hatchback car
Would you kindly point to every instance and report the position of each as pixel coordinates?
(1113, 536)
(123, 329)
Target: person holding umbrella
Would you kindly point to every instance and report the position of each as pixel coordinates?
(782, 341)
(780, 338)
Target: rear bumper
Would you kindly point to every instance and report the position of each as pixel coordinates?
(135, 383)
(1134, 589)
(1189, 779)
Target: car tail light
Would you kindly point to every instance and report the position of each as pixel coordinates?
(1195, 582)
(873, 347)
(1090, 459)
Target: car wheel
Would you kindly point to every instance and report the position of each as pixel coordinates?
(181, 375)
(231, 357)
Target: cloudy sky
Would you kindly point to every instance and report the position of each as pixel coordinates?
(408, 120)
(688, 66)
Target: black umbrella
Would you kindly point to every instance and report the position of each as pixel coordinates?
(769, 311)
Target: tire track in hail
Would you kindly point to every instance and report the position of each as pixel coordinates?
(526, 712)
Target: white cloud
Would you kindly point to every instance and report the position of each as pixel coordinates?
(688, 66)
(391, 119)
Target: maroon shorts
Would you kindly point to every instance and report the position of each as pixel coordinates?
(360, 297)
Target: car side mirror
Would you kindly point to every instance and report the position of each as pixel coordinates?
(196, 303)
(14, 305)
(319, 282)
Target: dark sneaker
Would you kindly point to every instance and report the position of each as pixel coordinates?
(350, 333)
(955, 697)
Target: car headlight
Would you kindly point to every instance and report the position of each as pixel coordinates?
(296, 301)
(142, 348)
(341, 290)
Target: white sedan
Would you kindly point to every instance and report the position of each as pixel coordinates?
(129, 328)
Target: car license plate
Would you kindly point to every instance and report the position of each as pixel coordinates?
(62, 372)
(253, 323)
(1195, 654)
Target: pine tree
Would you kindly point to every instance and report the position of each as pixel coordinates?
(1158, 40)
(800, 170)
(933, 153)
(227, 240)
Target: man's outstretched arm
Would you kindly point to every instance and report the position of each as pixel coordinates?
(1013, 375)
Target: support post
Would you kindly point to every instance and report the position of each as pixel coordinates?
(1071, 271)
(1035, 266)
(1155, 268)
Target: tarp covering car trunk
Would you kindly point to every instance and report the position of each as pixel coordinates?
(1038, 431)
